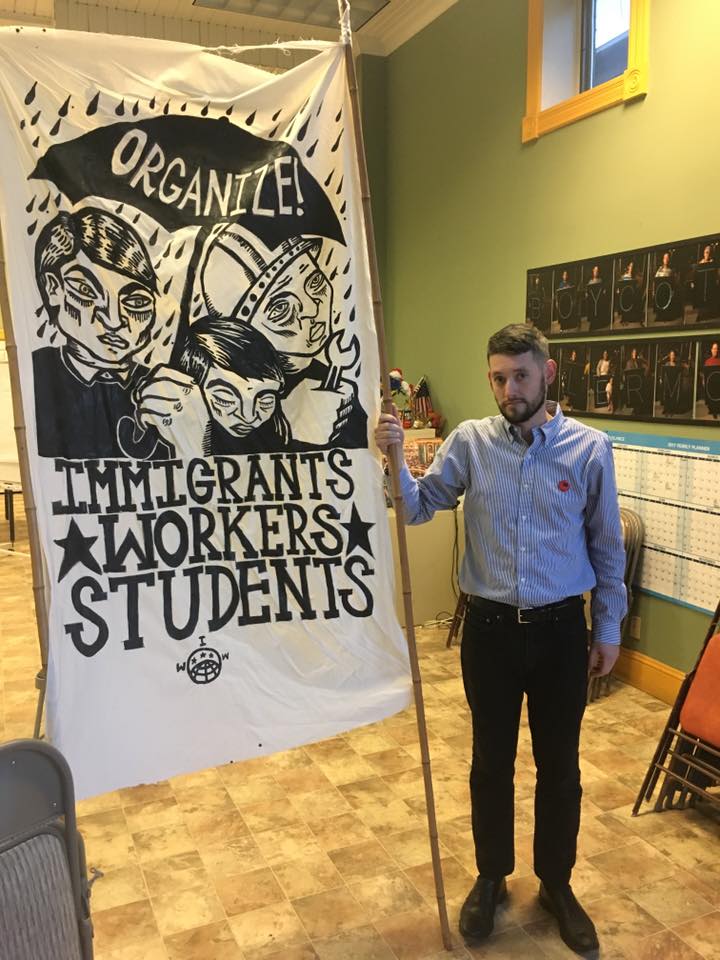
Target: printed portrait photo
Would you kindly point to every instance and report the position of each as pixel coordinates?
(703, 301)
(674, 379)
(634, 382)
(566, 298)
(538, 308)
(707, 391)
(605, 377)
(671, 269)
(596, 288)
(574, 377)
(630, 290)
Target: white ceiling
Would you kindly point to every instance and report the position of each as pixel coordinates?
(395, 21)
(321, 13)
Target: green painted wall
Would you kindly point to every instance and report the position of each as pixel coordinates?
(468, 208)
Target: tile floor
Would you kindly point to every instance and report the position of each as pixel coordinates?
(321, 853)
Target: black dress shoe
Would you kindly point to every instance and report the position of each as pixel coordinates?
(576, 927)
(478, 912)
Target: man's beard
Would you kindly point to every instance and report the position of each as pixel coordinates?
(523, 410)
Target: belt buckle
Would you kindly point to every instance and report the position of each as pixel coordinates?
(520, 614)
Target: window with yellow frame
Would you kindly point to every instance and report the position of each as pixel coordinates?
(560, 68)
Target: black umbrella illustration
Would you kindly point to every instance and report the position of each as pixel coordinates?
(192, 171)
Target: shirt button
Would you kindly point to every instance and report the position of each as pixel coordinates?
(522, 549)
(523, 517)
(522, 579)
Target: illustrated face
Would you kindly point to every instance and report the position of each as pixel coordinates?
(105, 317)
(295, 314)
(707, 253)
(519, 384)
(239, 405)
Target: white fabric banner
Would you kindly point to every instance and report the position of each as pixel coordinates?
(190, 297)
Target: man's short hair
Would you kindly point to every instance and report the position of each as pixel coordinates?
(103, 237)
(519, 338)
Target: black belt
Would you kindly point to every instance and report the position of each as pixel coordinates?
(549, 613)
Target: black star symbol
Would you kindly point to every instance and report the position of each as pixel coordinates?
(358, 532)
(77, 550)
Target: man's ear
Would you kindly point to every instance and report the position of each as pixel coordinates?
(52, 288)
(550, 371)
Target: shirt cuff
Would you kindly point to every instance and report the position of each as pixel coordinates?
(607, 632)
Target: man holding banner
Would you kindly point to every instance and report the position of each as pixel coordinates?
(542, 526)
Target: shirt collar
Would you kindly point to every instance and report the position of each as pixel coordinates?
(89, 374)
(547, 430)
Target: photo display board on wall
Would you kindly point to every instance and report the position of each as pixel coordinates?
(618, 300)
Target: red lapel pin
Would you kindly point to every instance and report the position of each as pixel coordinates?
(564, 485)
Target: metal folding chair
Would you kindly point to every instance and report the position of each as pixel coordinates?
(44, 893)
(688, 752)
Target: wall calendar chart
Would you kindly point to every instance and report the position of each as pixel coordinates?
(673, 483)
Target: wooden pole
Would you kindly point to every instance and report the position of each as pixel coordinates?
(36, 561)
(395, 459)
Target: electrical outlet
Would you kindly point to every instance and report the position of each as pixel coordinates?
(635, 625)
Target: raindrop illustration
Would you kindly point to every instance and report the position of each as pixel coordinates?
(327, 182)
(166, 251)
(136, 108)
(136, 218)
(333, 274)
(39, 311)
(273, 132)
(119, 209)
(167, 286)
(35, 119)
(340, 186)
(153, 239)
(120, 109)
(359, 370)
(339, 114)
(302, 108)
(179, 253)
(55, 128)
(334, 147)
(183, 108)
(166, 108)
(93, 105)
(57, 199)
(347, 293)
(343, 208)
(152, 104)
(22, 124)
(53, 336)
(352, 315)
(303, 130)
(167, 340)
(329, 258)
(198, 310)
(30, 95)
(41, 328)
(157, 333)
(276, 115)
(205, 109)
(44, 205)
(251, 119)
(36, 141)
(229, 110)
(29, 207)
(346, 269)
(147, 357)
(317, 112)
(312, 149)
(63, 111)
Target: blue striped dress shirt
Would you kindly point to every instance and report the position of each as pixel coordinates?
(542, 521)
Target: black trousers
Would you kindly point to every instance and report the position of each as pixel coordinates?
(501, 662)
